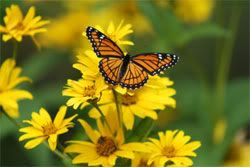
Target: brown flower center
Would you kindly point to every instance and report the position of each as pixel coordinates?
(169, 151)
(105, 146)
(19, 26)
(49, 129)
(128, 99)
(89, 91)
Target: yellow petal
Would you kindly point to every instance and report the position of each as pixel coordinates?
(85, 158)
(52, 142)
(170, 135)
(6, 37)
(135, 147)
(128, 117)
(111, 28)
(162, 138)
(85, 148)
(67, 121)
(60, 116)
(45, 115)
(29, 16)
(34, 142)
(31, 132)
(156, 142)
(125, 154)
(98, 161)
(184, 161)
(188, 148)
(92, 134)
(162, 161)
(111, 159)
(19, 94)
(61, 131)
(11, 110)
(37, 118)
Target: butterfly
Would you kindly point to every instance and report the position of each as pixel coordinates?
(125, 70)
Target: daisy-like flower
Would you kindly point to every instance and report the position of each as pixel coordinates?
(141, 102)
(83, 91)
(9, 94)
(117, 34)
(42, 128)
(16, 26)
(172, 147)
(105, 145)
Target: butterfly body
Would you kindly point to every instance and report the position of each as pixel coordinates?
(128, 71)
(126, 61)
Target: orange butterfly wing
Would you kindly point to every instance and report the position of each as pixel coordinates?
(103, 46)
(134, 77)
(154, 63)
(110, 69)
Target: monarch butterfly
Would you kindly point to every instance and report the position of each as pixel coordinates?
(129, 72)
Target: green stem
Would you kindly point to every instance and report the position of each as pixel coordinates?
(117, 103)
(65, 158)
(224, 63)
(14, 49)
(102, 115)
(61, 148)
(142, 130)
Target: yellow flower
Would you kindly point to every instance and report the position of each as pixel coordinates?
(83, 91)
(194, 11)
(16, 26)
(64, 32)
(42, 128)
(105, 145)
(141, 102)
(87, 64)
(9, 95)
(172, 147)
(117, 34)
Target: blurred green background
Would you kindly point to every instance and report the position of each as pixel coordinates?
(211, 78)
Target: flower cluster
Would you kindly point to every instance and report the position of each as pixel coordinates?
(115, 107)
(116, 110)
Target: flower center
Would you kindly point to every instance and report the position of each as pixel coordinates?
(105, 146)
(49, 129)
(19, 26)
(169, 151)
(128, 99)
(89, 91)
